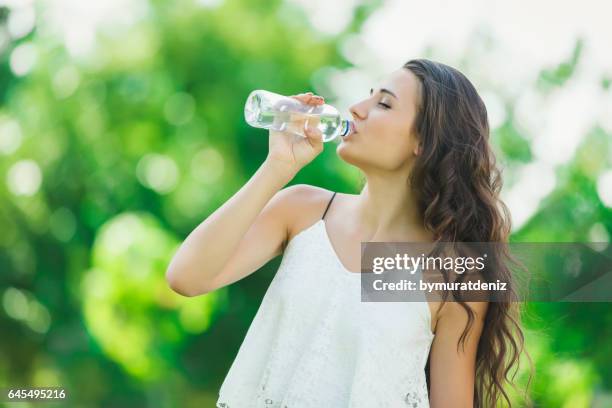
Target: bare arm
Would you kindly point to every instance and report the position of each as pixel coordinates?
(452, 369)
(251, 227)
(209, 246)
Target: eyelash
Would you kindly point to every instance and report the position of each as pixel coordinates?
(384, 105)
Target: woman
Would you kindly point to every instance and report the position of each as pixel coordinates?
(421, 141)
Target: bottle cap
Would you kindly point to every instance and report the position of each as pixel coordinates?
(346, 128)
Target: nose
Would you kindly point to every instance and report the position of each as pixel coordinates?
(359, 110)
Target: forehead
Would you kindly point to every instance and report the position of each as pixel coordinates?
(404, 84)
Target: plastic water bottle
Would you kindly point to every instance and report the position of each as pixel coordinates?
(268, 110)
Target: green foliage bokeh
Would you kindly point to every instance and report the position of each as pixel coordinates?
(134, 146)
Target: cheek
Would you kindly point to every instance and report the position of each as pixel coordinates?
(394, 154)
(390, 127)
(394, 145)
(386, 144)
(386, 151)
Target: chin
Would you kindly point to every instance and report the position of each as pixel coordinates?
(349, 154)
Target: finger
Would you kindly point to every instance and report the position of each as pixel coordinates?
(314, 100)
(309, 98)
(314, 135)
(302, 97)
(318, 99)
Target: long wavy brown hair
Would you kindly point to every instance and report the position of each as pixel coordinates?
(457, 184)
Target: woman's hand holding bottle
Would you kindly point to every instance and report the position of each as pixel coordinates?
(289, 152)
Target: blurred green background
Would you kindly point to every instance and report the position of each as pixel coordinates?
(121, 128)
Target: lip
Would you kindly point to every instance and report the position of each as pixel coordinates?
(352, 131)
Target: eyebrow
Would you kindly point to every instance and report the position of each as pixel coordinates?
(385, 90)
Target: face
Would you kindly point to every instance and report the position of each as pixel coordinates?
(383, 122)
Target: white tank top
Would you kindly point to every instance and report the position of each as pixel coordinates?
(314, 344)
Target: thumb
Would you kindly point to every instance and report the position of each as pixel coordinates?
(315, 137)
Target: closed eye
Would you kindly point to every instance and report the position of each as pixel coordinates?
(384, 105)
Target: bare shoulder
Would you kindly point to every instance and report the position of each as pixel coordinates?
(303, 205)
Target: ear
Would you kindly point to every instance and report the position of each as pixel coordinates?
(418, 149)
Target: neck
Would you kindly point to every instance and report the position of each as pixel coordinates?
(388, 208)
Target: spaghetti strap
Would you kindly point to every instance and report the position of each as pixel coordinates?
(328, 204)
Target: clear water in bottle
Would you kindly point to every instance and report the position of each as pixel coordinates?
(268, 110)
